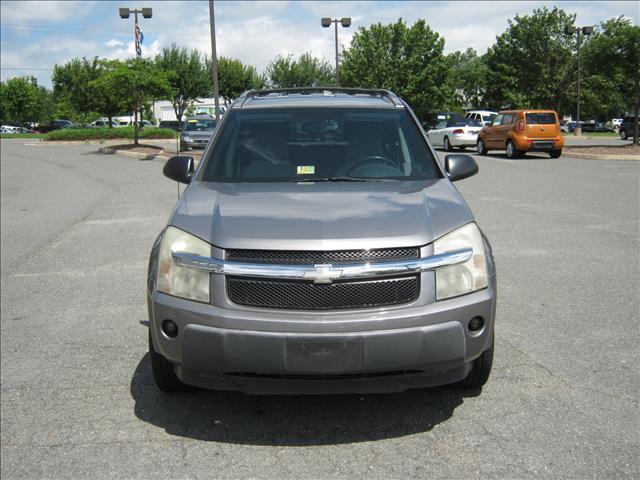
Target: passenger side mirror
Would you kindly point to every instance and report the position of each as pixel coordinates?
(179, 169)
(460, 166)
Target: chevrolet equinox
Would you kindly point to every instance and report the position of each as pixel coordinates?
(320, 247)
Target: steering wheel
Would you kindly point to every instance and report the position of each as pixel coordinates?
(379, 159)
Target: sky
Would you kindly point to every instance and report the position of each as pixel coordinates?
(36, 35)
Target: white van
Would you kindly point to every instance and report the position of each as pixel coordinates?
(485, 117)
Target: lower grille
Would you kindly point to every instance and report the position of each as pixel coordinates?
(301, 295)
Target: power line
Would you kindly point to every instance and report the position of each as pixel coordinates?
(62, 29)
(24, 68)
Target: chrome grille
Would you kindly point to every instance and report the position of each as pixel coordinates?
(310, 257)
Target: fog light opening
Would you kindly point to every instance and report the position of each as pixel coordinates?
(475, 324)
(169, 328)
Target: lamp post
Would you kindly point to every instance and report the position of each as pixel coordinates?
(570, 30)
(214, 61)
(137, 35)
(326, 23)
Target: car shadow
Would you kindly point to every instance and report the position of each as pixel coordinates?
(528, 156)
(290, 420)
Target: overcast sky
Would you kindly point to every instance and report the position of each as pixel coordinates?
(37, 35)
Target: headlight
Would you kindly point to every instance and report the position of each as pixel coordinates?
(187, 138)
(180, 281)
(464, 277)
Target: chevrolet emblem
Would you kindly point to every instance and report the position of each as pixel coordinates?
(322, 274)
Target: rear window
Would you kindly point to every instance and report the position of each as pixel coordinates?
(541, 118)
(303, 144)
(464, 122)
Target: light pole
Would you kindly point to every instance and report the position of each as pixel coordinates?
(138, 37)
(326, 23)
(214, 61)
(570, 30)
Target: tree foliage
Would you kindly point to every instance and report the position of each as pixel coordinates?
(306, 71)
(71, 83)
(407, 60)
(19, 100)
(135, 82)
(611, 61)
(467, 79)
(531, 65)
(234, 78)
(187, 76)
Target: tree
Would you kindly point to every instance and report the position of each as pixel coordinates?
(71, 83)
(136, 82)
(306, 71)
(407, 60)
(531, 65)
(234, 78)
(187, 75)
(612, 62)
(106, 97)
(467, 79)
(19, 100)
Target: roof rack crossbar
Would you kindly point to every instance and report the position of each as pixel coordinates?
(302, 90)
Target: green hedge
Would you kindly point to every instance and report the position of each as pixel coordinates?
(108, 133)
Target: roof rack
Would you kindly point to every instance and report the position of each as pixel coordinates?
(308, 90)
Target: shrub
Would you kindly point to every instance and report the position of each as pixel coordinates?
(108, 133)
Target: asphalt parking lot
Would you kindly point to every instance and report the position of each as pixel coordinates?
(78, 400)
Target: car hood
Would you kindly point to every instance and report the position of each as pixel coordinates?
(320, 216)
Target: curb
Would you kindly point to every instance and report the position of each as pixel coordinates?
(142, 156)
(598, 156)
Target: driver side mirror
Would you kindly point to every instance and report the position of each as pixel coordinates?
(179, 169)
(460, 166)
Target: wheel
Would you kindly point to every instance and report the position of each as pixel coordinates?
(512, 151)
(555, 153)
(623, 134)
(482, 150)
(480, 371)
(163, 374)
(447, 144)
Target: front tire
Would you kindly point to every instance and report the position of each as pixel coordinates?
(163, 373)
(482, 150)
(555, 153)
(512, 151)
(480, 371)
(447, 144)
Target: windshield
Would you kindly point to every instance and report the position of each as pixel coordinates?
(200, 125)
(304, 144)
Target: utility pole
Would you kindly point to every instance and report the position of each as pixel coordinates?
(214, 61)
(570, 30)
(137, 37)
(326, 23)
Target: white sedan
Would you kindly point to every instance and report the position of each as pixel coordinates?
(457, 132)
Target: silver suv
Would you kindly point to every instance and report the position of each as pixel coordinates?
(320, 247)
(196, 132)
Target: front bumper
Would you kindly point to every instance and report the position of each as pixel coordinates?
(268, 351)
(194, 143)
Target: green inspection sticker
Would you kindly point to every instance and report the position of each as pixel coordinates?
(306, 169)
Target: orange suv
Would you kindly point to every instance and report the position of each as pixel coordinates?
(520, 131)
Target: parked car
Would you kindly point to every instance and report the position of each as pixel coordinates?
(615, 123)
(430, 120)
(101, 124)
(196, 132)
(56, 125)
(9, 129)
(521, 131)
(485, 117)
(461, 132)
(627, 128)
(172, 124)
(320, 246)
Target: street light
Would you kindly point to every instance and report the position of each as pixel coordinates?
(326, 23)
(137, 35)
(571, 30)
